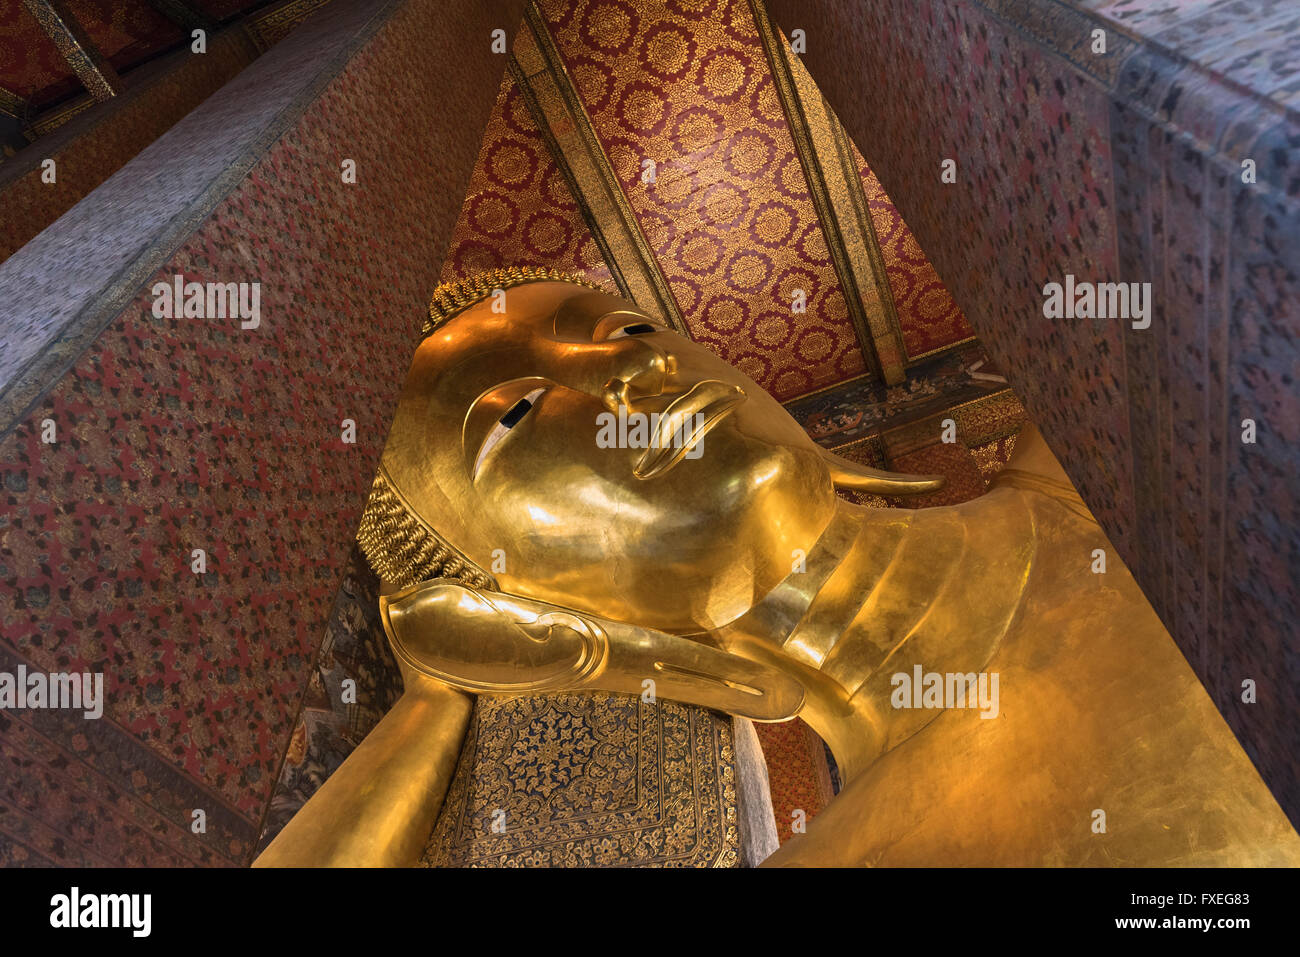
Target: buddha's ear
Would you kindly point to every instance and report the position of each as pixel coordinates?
(863, 478)
(492, 642)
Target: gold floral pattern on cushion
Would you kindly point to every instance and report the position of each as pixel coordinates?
(590, 780)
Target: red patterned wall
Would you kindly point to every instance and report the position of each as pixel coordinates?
(519, 211)
(30, 64)
(798, 772)
(729, 216)
(175, 434)
(927, 316)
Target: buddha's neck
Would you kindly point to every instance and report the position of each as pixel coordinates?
(884, 590)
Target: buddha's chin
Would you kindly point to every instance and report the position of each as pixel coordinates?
(700, 548)
(714, 583)
(725, 579)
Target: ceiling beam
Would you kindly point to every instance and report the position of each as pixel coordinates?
(94, 71)
(184, 15)
(565, 126)
(835, 185)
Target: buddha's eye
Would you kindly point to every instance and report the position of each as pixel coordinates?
(514, 415)
(633, 329)
(623, 324)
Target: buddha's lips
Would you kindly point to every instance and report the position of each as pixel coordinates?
(690, 416)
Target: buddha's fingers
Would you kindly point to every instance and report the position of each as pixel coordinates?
(497, 643)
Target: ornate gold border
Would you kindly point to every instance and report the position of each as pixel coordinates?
(812, 128)
(52, 119)
(11, 104)
(913, 360)
(95, 72)
(981, 420)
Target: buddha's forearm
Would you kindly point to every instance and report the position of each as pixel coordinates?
(379, 807)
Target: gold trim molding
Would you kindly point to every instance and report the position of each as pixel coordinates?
(11, 104)
(981, 420)
(557, 109)
(266, 28)
(92, 69)
(52, 119)
(836, 190)
(940, 350)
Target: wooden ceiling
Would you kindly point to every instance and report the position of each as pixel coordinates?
(124, 33)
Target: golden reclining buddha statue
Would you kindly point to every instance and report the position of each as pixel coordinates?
(989, 698)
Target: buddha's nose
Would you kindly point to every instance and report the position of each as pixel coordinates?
(642, 377)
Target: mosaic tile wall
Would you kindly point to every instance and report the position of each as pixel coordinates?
(175, 433)
(1124, 166)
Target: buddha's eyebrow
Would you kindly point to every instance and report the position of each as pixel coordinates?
(578, 321)
(560, 310)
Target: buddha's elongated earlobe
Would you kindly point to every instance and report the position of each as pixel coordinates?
(863, 478)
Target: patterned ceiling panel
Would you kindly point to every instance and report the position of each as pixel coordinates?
(30, 64)
(685, 83)
(519, 210)
(125, 33)
(927, 316)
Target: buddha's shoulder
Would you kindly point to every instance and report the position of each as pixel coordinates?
(1033, 469)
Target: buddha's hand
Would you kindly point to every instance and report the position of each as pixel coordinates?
(495, 643)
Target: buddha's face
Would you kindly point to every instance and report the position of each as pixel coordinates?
(507, 441)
